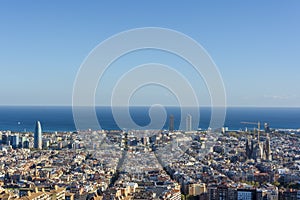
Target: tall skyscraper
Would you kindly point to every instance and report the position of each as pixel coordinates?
(171, 123)
(267, 128)
(38, 136)
(14, 141)
(188, 121)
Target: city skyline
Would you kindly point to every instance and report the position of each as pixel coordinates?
(254, 44)
(157, 100)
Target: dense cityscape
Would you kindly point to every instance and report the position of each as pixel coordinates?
(150, 164)
(149, 100)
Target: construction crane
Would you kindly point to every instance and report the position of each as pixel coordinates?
(258, 127)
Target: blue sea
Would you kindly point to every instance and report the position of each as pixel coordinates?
(60, 118)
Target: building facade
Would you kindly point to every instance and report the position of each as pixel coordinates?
(38, 135)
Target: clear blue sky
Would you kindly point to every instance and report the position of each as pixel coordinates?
(255, 44)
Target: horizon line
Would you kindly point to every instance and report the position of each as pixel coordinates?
(204, 106)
